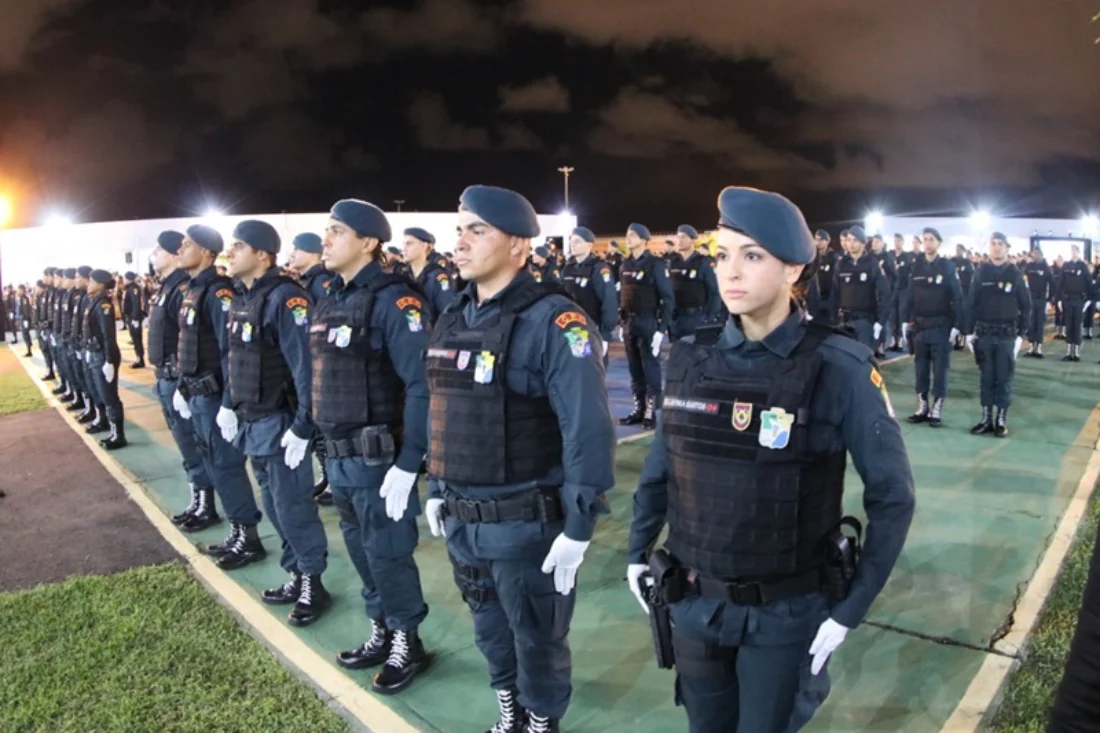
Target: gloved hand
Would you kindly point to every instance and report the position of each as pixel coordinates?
(109, 371)
(606, 347)
(878, 330)
(619, 333)
(634, 572)
(970, 342)
(657, 339)
(26, 324)
(1016, 346)
(396, 488)
(1087, 304)
(295, 449)
(227, 422)
(564, 558)
(954, 334)
(809, 318)
(829, 636)
(433, 509)
(181, 405)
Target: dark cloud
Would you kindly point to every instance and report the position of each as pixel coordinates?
(543, 95)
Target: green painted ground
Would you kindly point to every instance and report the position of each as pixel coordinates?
(985, 510)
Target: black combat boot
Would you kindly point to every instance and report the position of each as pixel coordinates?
(89, 415)
(78, 404)
(312, 602)
(635, 417)
(406, 660)
(512, 716)
(139, 364)
(1069, 353)
(1039, 351)
(649, 419)
(985, 425)
(286, 593)
(539, 724)
(204, 516)
(921, 415)
(101, 423)
(1077, 352)
(935, 415)
(376, 651)
(117, 438)
(225, 545)
(247, 549)
(1001, 430)
(191, 507)
(50, 376)
(60, 389)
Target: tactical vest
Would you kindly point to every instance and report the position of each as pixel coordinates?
(164, 326)
(1038, 278)
(353, 385)
(1075, 280)
(931, 292)
(308, 282)
(747, 498)
(578, 279)
(60, 309)
(480, 432)
(259, 378)
(687, 283)
(93, 341)
(856, 285)
(825, 273)
(76, 325)
(199, 353)
(996, 300)
(42, 309)
(638, 288)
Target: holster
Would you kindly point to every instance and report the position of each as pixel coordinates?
(841, 557)
(660, 618)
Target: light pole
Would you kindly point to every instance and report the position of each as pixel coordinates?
(565, 171)
(399, 202)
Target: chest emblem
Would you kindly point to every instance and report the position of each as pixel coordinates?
(775, 428)
(463, 360)
(483, 367)
(742, 416)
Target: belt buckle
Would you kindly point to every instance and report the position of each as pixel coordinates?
(747, 594)
(467, 511)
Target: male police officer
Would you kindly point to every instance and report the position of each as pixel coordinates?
(647, 307)
(997, 314)
(747, 467)
(59, 333)
(935, 306)
(861, 293)
(133, 314)
(23, 316)
(1074, 293)
(426, 272)
(824, 272)
(102, 358)
(1040, 284)
(85, 400)
(543, 267)
(693, 285)
(203, 353)
(522, 451)
(44, 317)
(370, 400)
(588, 281)
(903, 261)
(269, 391)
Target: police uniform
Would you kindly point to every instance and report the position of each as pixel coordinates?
(1074, 290)
(370, 400)
(133, 314)
(24, 315)
(591, 284)
(1059, 313)
(548, 271)
(890, 270)
(997, 312)
(1040, 284)
(694, 288)
(748, 590)
(203, 364)
(103, 358)
(270, 392)
(433, 280)
(59, 336)
(903, 261)
(647, 305)
(821, 289)
(84, 398)
(964, 270)
(861, 293)
(935, 305)
(43, 316)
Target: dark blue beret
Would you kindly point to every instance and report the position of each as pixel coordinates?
(543, 252)
(102, 277)
(70, 273)
(170, 241)
(422, 234)
(505, 210)
(130, 276)
(393, 250)
(845, 232)
(689, 230)
(84, 271)
(585, 233)
(49, 271)
(40, 284)
(366, 219)
(308, 242)
(822, 234)
(641, 230)
(935, 233)
(1000, 236)
(857, 232)
(258, 235)
(206, 237)
(770, 220)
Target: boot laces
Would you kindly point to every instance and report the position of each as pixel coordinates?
(936, 408)
(238, 541)
(399, 650)
(538, 724)
(200, 507)
(506, 699)
(305, 596)
(377, 636)
(194, 505)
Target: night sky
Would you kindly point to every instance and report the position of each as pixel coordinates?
(153, 108)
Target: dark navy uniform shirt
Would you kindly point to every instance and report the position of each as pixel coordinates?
(603, 283)
(703, 270)
(667, 307)
(101, 326)
(437, 287)
(317, 280)
(988, 278)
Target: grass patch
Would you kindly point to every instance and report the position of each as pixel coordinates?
(144, 650)
(1030, 693)
(18, 393)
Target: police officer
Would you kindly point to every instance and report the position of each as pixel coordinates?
(84, 402)
(133, 315)
(43, 316)
(203, 365)
(694, 287)
(1040, 283)
(62, 315)
(1074, 293)
(543, 267)
(102, 359)
(821, 290)
(164, 336)
(518, 467)
(24, 315)
(270, 392)
(370, 399)
(426, 271)
(935, 306)
(861, 293)
(997, 313)
(754, 509)
(646, 311)
(964, 270)
(903, 261)
(588, 281)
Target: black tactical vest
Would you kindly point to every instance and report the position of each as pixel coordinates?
(826, 266)
(93, 340)
(1075, 280)
(638, 286)
(164, 326)
(931, 291)
(747, 498)
(997, 302)
(578, 279)
(687, 283)
(353, 385)
(259, 378)
(1038, 279)
(480, 432)
(856, 285)
(61, 313)
(76, 324)
(199, 353)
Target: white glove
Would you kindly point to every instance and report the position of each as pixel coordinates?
(878, 330)
(657, 339)
(434, 511)
(26, 324)
(396, 488)
(954, 334)
(79, 355)
(295, 449)
(87, 356)
(606, 347)
(970, 342)
(1016, 346)
(227, 421)
(829, 636)
(1087, 304)
(564, 558)
(634, 574)
(109, 371)
(181, 405)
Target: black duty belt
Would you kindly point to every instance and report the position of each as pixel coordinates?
(539, 505)
(168, 372)
(1003, 330)
(373, 443)
(686, 582)
(199, 386)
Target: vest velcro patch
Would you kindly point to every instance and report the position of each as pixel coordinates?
(700, 406)
(570, 317)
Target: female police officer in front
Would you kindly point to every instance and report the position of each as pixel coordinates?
(747, 468)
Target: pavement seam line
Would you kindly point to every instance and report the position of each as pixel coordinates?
(359, 704)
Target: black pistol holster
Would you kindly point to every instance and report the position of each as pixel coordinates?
(661, 571)
(841, 557)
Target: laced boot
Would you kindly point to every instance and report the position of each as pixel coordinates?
(117, 438)
(191, 507)
(935, 415)
(406, 660)
(286, 593)
(247, 549)
(373, 653)
(1001, 429)
(205, 514)
(921, 415)
(512, 716)
(312, 602)
(985, 425)
(635, 417)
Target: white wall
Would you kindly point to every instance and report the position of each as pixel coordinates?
(960, 230)
(24, 253)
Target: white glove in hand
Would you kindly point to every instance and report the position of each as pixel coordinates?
(564, 558)
(606, 347)
(295, 449)
(954, 333)
(109, 371)
(227, 422)
(970, 342)
(1017, 345)
(634, 573)
(26, 324)
(434, 511)
(829, 636)
(878, 330)
(1087, 304)
(181, 405)
(657, 339)
(396, 488)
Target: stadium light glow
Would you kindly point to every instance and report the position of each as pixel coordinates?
(873, 222)
(213, 212)
(57, 220)
(5, 210)
(980, 220)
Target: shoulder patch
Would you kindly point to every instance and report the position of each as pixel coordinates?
(224, 293)
(409, 302)
(107, 308)
(297, 302)
(441, 277)
(570, 317)
(880, 384)
(577, 337)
